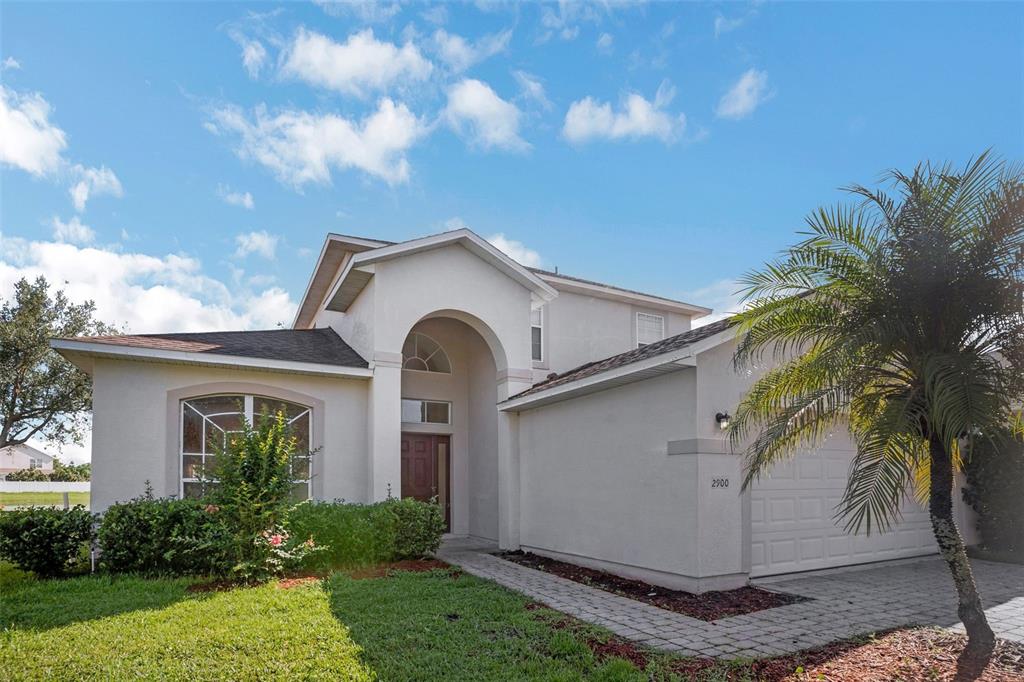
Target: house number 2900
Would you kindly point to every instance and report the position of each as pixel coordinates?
(719, 482)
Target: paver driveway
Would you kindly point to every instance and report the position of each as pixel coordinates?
(843, 603)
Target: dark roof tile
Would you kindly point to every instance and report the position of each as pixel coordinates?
(622, 359)
(321, 346)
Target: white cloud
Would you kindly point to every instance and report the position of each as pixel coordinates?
(301, 147)
(359, 66)
(589, 119)
(91, 182)
(10, 64)
(367, 11)
(262, 243)
(254, 55)
(517, 251)
(436, 14)
(475, 110)
(750, 91)
(459, 54)
(604, 42)
(73, 231)
(724, 25)
(144, 293)
(28, 140)
(240, 199)
(722, 296)
(531, 88)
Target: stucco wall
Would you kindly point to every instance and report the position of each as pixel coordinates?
(597, 481)
(580, 329)
(131, 434)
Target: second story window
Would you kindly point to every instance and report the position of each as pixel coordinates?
(537, 334)
(649, 328)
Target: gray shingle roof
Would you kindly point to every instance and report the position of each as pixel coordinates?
(643, 353)
(321, 346)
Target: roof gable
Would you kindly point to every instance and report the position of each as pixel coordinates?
(359, 269)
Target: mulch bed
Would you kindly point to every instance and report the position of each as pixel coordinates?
(411, 565)
(707, 606)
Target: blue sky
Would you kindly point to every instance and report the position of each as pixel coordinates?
(180, 163)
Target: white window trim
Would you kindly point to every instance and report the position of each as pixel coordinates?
(637, 326)
(422, 402)
(248, 402)
(541, 328)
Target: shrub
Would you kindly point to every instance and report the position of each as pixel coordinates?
(365, 534)
(995, 478)
(70, 473)
(28, 475)
(418, 527)
(165, 537)
(355, 534)
(48, 542)
(253, 490)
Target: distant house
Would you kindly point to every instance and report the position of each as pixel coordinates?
(18, 457)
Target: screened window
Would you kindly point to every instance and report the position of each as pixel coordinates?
(426, 411)
(208, 422)
(423, 354)
(537, 333)
(649, 328)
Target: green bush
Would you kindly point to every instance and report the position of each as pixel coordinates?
(48, 542)
(28, 475)
(365, 534)
(165, 537)
(418, 527)
(355, 534)
(70, 473)
(995, 480)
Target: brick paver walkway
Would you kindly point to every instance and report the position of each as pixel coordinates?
(843, 603)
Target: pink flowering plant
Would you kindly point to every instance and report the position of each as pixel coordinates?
(276, 552)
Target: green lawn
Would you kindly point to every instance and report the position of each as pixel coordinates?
(411, 626)
(42, 499)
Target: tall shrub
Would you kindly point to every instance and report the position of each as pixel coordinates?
(252, 488)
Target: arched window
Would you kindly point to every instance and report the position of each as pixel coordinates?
(207, 422)
(423, 354)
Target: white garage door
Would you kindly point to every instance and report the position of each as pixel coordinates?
(792, 528)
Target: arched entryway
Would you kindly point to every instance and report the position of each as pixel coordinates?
(449, 441)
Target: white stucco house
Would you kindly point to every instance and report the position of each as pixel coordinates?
(423, 368)
(23, 456)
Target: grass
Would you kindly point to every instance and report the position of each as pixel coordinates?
(410, 626)
(42, 499)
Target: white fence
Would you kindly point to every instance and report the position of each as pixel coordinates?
(43, 487)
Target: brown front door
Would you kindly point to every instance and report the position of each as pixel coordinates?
(425, 469)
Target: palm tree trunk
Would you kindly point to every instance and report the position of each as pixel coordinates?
(981, 639)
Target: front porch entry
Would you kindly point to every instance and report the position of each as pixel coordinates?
(426, 470)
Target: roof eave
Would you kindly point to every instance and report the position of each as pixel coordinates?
(308, 309)
(82, 353)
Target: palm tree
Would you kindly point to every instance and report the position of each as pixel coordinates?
(900, 318)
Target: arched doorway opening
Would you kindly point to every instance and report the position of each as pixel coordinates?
(449, 440)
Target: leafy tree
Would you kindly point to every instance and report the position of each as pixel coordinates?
(900, 318)
(70, 472)
(41, 393)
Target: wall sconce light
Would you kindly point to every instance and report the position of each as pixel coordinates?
(723, 420)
